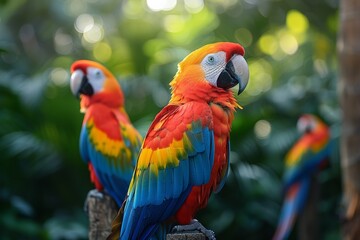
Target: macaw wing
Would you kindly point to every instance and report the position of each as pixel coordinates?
(111, 159)
(177, 154)
(294, 201)
(304, 159)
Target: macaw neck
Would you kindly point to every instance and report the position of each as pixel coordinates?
(320, 131)
(202, 92)
(112, 100)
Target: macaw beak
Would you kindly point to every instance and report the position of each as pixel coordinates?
(79, 84)
(236, 72)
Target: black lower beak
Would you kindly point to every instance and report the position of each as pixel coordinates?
(228, 78)
(85, 87)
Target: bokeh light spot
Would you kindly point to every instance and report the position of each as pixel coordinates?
(268, 44)
(94, 34)
(84, 22)
(297, 22)
(161, 5)
(288, 43)
(262, 129)
(60, 77)
(63, 42)
(102, 51)
(194, 6)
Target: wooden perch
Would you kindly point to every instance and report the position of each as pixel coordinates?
(101, 209)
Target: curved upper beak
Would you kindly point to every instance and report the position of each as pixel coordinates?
(236, 72)
(79, 84)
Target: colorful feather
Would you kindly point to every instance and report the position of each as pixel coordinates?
(108, 142)
(305, 158)
(185, 154)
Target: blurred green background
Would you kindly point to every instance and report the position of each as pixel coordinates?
(291, 52)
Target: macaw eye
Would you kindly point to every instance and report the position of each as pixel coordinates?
(98, 75)
(211, 59)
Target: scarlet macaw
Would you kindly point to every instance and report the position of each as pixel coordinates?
(305, 158)
(185, 154)
(109, 143)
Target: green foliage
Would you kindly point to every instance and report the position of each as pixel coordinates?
(290, 48)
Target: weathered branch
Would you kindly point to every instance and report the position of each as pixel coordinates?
(101, 209)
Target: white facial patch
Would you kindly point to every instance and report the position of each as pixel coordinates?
(96, 78)
(305, 124)
(213, 64)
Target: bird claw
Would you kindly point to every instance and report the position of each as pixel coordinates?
(95, 194)
(92, 194)
(194, 225)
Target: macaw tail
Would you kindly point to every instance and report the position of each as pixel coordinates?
(116, 224)
(160, 233)
(294, 202)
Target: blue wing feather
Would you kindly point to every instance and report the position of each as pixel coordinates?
(307, 166)
(84, 148)
(114, 179)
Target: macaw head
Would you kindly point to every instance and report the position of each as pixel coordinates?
(219, 65)
(92, 82)
(308, 123)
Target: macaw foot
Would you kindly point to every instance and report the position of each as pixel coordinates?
(194, 225)
(92, 194)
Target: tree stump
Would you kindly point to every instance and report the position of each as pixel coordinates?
(101, 209)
